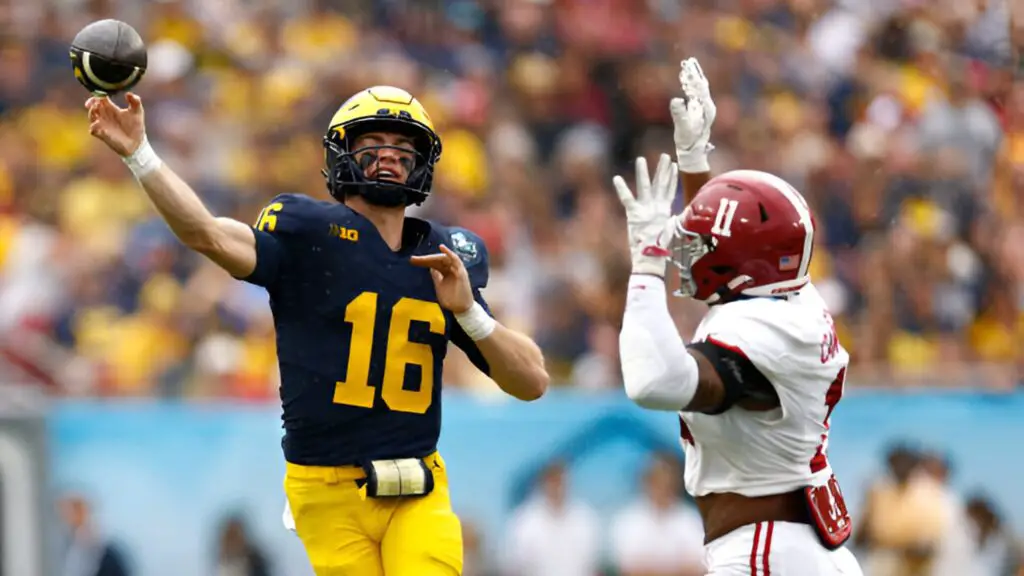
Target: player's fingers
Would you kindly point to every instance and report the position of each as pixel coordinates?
(643, 180)
(622, 189)
(445, 263)
(692, 69)
(697, 69)
(677, 106)
(434, 261)
(691, 76)
(684, 75)
(673, 185)
(454, 262)
(662, 177)
(94, 105)
(108, 106)
(101, 107)
(695, 109)
(134, 102)
(437, 276)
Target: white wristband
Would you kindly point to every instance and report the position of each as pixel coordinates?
(476, 322)
(144, 160)
(694, 165)
(694, 161)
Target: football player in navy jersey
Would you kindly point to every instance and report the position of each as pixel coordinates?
(365, 301)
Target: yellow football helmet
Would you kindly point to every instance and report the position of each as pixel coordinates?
(380, 109)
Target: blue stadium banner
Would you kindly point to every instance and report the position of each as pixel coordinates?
(163, 476)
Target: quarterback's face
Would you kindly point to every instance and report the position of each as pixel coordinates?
(385, 156)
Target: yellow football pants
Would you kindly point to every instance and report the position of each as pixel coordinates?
(347, 535)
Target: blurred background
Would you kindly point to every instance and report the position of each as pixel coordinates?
(139, 431)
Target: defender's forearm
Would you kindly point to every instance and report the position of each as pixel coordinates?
(658, 371)
(693, 182)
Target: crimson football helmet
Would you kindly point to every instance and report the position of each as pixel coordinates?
(745, 233)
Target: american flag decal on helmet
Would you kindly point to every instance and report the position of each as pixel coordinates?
(789, 263)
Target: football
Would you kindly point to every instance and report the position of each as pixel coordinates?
(108, 56)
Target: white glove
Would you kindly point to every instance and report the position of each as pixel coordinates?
(693, 117)
(648, 216)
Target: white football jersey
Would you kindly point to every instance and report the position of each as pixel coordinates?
(792, 342)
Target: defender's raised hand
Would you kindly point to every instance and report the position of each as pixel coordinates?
(649, 214)
(693, 117)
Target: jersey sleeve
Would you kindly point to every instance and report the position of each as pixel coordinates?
(473, 252)
(279, 232)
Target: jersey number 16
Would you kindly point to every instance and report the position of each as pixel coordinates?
(356, 389)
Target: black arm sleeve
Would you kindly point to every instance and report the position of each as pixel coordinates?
(741, 378)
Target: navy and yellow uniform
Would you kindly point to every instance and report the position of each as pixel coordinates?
(361, 340)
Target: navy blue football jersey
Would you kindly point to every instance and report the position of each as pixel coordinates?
(361, 338)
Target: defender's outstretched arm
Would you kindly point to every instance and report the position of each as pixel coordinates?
(658, 370)
(692, 117)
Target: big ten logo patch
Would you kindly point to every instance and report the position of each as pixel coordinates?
(350, 234)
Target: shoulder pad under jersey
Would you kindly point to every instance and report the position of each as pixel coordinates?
(778, 336)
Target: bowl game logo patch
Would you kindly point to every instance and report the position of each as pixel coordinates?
(465, 248)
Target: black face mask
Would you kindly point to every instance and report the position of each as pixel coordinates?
(371, 156)
(382, 192)
(345, 172)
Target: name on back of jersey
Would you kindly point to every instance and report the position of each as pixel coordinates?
(830, 341)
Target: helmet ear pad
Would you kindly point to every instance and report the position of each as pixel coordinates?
(345, 174)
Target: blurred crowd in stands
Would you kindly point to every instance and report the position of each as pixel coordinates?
(902, 121)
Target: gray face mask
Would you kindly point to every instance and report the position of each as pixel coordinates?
(687, 248)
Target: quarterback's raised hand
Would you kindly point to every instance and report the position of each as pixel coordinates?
(514, 361)
(122, 129)
(649, 214)
(693, 117)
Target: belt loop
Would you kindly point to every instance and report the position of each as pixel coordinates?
(331, 477)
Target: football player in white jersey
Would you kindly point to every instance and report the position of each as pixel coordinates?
(756, 386)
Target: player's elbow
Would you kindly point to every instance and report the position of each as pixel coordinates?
(210, 245)
(541, 381)
(202, 239)
(533, 384)
(656, 373)
(649, 393)
(638, 379)
(638, 389)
